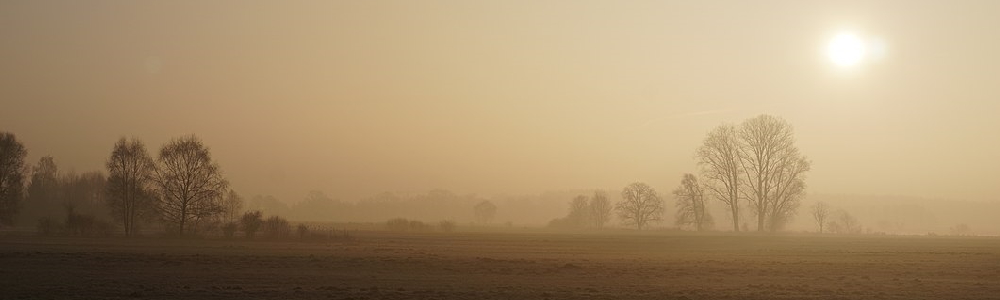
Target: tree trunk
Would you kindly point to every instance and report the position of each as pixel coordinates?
(183, 217)
(736, 220)
(760, 222)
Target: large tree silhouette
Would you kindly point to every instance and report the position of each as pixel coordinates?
(774, 170)
(190, 184)
(131, 174)
(691, 209)
(12, 155)
(719, 158)
(600, 209)
(640, 205)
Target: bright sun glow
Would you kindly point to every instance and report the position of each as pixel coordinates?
(846, 49)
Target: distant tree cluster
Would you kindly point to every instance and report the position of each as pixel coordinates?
(182, 190)
(753, 168)
(587, 212)
(836, 222)
(485, 211)
(844, 223)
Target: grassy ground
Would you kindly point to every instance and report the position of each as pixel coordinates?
(503, 266)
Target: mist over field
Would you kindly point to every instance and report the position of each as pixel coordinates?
(499, 149)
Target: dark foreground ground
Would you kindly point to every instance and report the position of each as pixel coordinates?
(504, 266)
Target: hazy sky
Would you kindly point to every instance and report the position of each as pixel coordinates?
(358, 97)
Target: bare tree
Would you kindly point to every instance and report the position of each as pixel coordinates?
(190, 183)
(789, 188)
(600, 209)
(719, 158)
(485, 211)
(640, 205)
(232, 207)
(774, 170)
(131, 174)
(844, 223)
(691, 208)
(43, 199)
(12, 155)
(579, 212)
(820, 213)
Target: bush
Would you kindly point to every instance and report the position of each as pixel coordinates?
(402, 224)
(322, 233)
(303, 230)
(561, 223)
(86, 225)
(276, 227)
(203, 227)
(418, 226)
(251, 222)
(447, 226)
(398, 224)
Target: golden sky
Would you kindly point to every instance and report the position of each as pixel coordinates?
(358, 97)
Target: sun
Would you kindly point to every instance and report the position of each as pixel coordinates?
(846, 50)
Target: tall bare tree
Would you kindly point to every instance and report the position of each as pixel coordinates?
(189, 182)
(691, 208)
(820, 212)
(12, 155)
(232, 207)
(43, 199)
(131, 174)
(774, 170)
(789, 188)
(600, 209)
(485, 211)
(719, 158)
(640, 205)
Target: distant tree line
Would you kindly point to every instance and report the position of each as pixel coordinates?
(182, 190)
(753, 165)
(754, 169)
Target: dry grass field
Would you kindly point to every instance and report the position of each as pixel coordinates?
(525, 265)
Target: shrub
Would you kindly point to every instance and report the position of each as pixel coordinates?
(203, 227)
(398, 224)
(276, 226)
(447, 226)
(86, 225)
(561, 223)
(302, 230)
(251, 222)
(402, 224)
(418, 226)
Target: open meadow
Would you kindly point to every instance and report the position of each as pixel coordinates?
(525, 265)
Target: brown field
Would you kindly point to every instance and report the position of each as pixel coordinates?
(527, 265)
